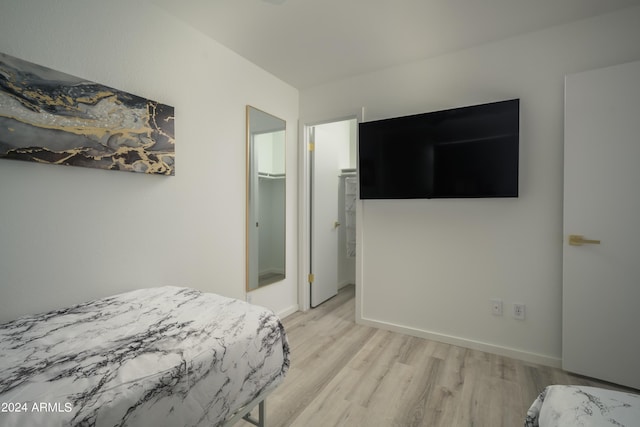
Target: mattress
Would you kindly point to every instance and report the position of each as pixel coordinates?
(568, 406)
(166, 356)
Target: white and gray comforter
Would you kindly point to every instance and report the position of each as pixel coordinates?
(573, 406)
(164, 356)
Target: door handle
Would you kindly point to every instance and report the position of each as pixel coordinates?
(336, 224)
(578, 240)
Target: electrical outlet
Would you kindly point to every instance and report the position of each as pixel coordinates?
(496, 307)
(519, 311)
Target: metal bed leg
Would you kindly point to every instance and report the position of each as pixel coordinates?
(260, 422)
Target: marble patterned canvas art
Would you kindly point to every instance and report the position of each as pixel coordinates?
(47, 116)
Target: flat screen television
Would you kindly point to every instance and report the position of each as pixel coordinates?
(467, 152)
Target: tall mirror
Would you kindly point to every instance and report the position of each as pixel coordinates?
(265, 198)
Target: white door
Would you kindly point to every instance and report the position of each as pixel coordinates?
(601, 281)
(325, 171)
(253, 216)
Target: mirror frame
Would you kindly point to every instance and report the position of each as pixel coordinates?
(250, 162)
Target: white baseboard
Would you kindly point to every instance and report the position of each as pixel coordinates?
(343, 284)
(287, 311)
(539, 359)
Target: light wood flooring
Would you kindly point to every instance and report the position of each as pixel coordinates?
(343, 374)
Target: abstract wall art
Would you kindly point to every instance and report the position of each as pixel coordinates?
(51, 117)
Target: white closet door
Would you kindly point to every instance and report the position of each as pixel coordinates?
(324, 217)
(601, 281)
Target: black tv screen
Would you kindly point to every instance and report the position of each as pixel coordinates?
(466, 152)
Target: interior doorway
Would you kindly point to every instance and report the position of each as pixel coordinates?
(331, 207)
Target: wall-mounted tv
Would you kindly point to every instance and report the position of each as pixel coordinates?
(467, 152)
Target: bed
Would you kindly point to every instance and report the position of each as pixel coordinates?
(166, 356)
(569, 406)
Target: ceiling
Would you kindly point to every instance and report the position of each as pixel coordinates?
(310, 42)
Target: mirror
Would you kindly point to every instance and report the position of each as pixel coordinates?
(265, 198)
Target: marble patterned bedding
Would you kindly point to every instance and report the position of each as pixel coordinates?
(164, 356)
(569, 406)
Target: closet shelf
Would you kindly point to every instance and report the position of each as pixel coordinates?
(266, 175)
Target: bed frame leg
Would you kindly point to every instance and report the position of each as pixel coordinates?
(260, 422)
(262, 413)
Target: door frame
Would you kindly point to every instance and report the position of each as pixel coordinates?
(304, 211)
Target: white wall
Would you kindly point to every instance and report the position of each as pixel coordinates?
(429, 267)
(271, 200)
(69, 234)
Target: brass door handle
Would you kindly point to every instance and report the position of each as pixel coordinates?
(578, 240)
(336, 224)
